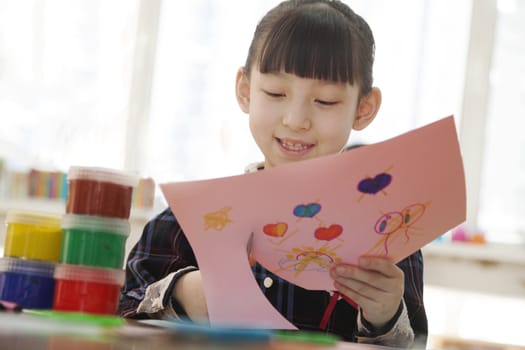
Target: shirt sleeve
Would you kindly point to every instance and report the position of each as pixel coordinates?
(399, 333)
(158, 259)
(412, 266)
(409, 327)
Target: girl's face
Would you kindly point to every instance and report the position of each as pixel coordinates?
(294, 118)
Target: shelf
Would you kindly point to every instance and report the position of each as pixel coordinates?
(489, 268)
(496, 252)
(51, 206)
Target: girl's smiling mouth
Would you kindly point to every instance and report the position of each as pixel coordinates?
(293, 146)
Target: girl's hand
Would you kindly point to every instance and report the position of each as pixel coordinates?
(376, 285)
(189, 291)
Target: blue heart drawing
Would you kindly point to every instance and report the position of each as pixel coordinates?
(307, 211)
(372, 186)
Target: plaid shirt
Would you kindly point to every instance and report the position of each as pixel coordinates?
(163, 254)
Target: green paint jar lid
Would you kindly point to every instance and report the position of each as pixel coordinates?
(96, 224)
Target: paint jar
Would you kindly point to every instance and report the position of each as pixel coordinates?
(29, 283)
(33, 235)
(94, 240)
(100, 191)
(87, 289)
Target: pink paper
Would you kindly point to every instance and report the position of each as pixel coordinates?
(386, 199)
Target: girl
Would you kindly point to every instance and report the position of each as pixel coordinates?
(306, 83)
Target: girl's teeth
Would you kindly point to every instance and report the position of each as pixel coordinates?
(294, 146)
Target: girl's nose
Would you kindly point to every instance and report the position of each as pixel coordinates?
(297, 117)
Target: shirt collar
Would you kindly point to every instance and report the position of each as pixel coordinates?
(254, 167)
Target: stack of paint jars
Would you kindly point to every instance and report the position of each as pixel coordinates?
(32, 249)
(94, 232)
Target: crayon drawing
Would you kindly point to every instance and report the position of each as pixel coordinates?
(396, 221)
(374, 185)
(306, 216)
(328, 233)
(309, 254)
(307, 211)
(278, 230)
(309, 259)
(217, 220)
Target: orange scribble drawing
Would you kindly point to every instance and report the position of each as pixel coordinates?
(396, 222)
(217, 220)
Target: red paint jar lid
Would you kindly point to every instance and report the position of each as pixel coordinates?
(89, 274)
(102, 175)
(96, 224)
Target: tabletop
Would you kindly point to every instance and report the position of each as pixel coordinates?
(19, 331)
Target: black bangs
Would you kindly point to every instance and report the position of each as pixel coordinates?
(310, 42)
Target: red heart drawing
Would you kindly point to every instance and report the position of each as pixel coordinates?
(275, 230)
(328, 233)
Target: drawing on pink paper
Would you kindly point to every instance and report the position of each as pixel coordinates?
(309, 259)
(307, 210)
(374, 185)
(396, 221)
(217, 220)
(376, 200)
(278, 230)
(328, 233)
(317, 257)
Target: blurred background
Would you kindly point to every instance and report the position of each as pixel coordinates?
(147, 86)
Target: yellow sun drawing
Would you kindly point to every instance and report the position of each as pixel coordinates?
(309, 259)
(218, 219)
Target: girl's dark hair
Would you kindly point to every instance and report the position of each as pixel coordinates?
(320, 39)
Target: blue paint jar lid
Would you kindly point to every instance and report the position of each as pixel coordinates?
(27, 266)
(96, 224)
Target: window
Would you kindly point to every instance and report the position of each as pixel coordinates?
(148, 86)
(196, 128)
(65, 70)
(502, 206)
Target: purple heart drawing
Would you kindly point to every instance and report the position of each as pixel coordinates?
(378, 183)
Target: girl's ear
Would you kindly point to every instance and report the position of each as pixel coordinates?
(242, 90)
(367, 109)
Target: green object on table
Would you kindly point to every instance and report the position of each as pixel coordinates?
(307, 337)
(78, 317)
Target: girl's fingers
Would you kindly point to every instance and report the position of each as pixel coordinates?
(380, 265)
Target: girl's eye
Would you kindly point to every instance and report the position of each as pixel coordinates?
(327, 103)
(274, 94)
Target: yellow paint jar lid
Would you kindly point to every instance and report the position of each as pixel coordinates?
(33, 218)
